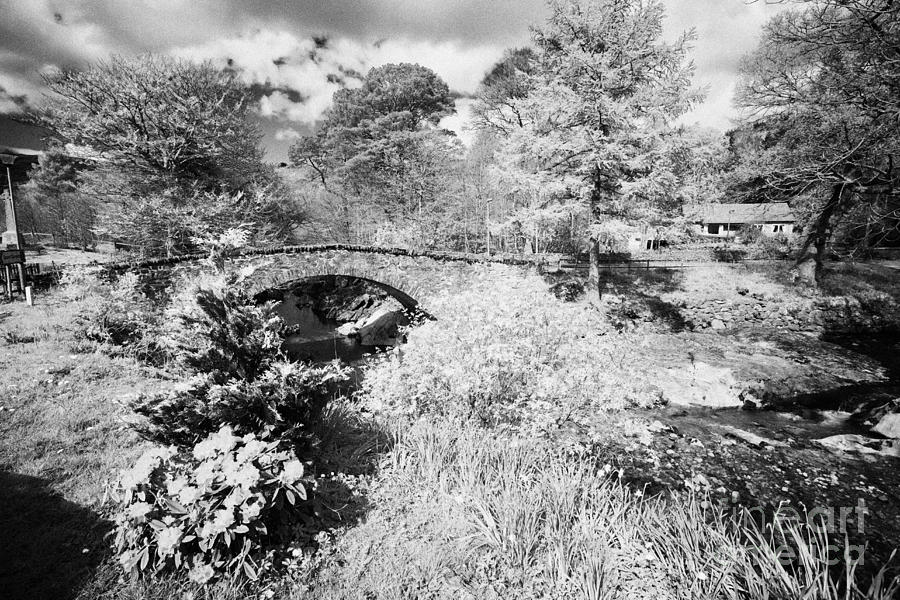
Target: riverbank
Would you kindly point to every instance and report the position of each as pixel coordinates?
(420, 499)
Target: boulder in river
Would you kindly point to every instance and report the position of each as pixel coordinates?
(382, 328)
(860, 444)
(889, 426)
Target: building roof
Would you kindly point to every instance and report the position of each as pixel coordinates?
(774, 212)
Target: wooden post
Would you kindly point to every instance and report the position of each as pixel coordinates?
(21, 268)
(8, 273)
(28, 297)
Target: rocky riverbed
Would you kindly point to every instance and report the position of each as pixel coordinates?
(338, 317)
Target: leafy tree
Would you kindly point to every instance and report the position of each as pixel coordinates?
(379, 146)
(54, 203)
(511, 79)
(175, 153)
(169, 119)
(824, 88)
(593, 118)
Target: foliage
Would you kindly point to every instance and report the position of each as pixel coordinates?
(240, 379)
(538, 360)
(523, 518)
(120, 317)
(281, 402)
(167, 223)
(776, 246)
(821, 93)
(170, 119)
(173, 154)
(54, 205)
(379, 148)
(511, 79)
(584, 124)
(207, 513)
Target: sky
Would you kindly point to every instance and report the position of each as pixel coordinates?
(297, 52)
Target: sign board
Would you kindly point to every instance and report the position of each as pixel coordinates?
(12, 257)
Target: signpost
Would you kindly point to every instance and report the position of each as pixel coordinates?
(12, 252)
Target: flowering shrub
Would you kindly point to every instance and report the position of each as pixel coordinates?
(505, 351)
(206, 512)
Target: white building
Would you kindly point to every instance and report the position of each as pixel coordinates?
(726, 220)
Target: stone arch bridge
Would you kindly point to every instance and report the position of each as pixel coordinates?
(412, 277)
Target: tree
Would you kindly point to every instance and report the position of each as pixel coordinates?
(824, 86)
(509, 80)
(379, 147)
(56, 205)
(604, 97)
(174, 152)
(173, 120)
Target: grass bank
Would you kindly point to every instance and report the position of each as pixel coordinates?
(445, 477)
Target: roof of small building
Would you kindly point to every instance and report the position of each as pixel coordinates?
(774, 212)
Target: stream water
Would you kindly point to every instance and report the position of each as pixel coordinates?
(806, 416)
(318, 340)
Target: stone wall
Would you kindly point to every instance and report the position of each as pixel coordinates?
(817, 315)
(421, 275)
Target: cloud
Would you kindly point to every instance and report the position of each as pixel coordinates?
(296, 77)
(296, 53)
(460, 123)
(287, 135)
(726, 30)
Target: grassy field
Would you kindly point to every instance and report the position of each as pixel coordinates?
(443, 478)
(62, 436)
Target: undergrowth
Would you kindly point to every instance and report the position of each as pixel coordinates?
(504, 352)
(465, 513)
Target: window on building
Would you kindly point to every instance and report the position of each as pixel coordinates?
(713, 229)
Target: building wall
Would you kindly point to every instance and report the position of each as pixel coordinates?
(730, 230)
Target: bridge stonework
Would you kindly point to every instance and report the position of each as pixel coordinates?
(421, 275)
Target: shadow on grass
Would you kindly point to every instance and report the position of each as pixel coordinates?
(48, 545)
(346, 450)
(642, 290)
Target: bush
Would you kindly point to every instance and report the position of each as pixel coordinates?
(506, 352)
(279, 403)
(214, 328)
(207, 512)
(777, 246)
(240, 378)
(119, 318)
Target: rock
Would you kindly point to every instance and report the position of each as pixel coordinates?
(382, 327)
(657, 426)
(348, 329)
(852, 443)
(717, 324)
(751, 438)
(889, 426)
(700, 384)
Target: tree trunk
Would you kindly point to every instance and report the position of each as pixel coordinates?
(594, 272)
(812, 255)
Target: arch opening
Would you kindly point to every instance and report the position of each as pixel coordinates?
(344, 317)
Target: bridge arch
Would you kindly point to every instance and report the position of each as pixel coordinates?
(408, 303)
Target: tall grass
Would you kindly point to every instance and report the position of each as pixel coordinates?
(464, 513)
